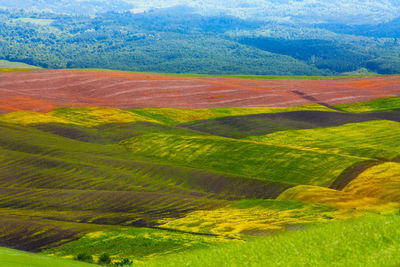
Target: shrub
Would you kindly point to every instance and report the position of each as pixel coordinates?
(104, 259)
(84, 257)
(124, 263)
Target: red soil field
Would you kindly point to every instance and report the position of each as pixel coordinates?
(45, 90)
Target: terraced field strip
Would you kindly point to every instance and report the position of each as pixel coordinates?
(33, 162)
(177, 116)
(263, 161)
(390, 103)
(143, 205)
(379, 139)
(84, 116)
(45, 90)
(260, 124)
(31, 233)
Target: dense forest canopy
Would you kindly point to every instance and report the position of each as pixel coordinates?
(184, 37)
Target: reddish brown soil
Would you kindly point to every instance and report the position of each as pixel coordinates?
(44, 90)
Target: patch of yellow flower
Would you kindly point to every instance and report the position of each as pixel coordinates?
(338, 199)
(28, 118)
(235, 222)
(381, 181)
(82, 116)
(97, 234)
(93, 116)
(370, 139)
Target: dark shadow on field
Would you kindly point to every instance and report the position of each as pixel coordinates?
(33, 235)
(396, 159)
(353, 172)
(313, 99)
(356, 169)
(108, 133)
(261, 124)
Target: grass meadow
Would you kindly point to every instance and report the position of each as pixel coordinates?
(367, 241)
(307, 185)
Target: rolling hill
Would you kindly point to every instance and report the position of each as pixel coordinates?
(143, 166)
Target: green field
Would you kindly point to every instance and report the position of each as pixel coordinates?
(168, 186)
(6, 66)
(389, 103)
(143, 243)
(372, 139)
(369, 241)
(279, 163)
(15, 258)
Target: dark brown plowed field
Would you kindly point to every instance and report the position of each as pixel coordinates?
(48, 89)
(33, 234)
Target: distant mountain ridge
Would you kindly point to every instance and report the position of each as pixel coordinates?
(308, 11)
(87, 7)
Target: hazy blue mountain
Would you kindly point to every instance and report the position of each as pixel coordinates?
(295, 11)
(69, 6)
(309, 11)
(389, 29)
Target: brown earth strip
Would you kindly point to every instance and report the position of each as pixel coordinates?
(234, 188)
(33, 235)
(45, 90)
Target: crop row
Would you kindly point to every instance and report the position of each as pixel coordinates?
(263, 161)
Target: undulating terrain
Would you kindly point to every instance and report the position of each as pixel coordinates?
(147, 167)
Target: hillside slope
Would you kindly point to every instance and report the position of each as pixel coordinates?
(91, 178)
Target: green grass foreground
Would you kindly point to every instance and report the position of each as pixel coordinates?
(369, 241)
(15, 258)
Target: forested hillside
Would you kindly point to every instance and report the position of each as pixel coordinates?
(180, 40)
